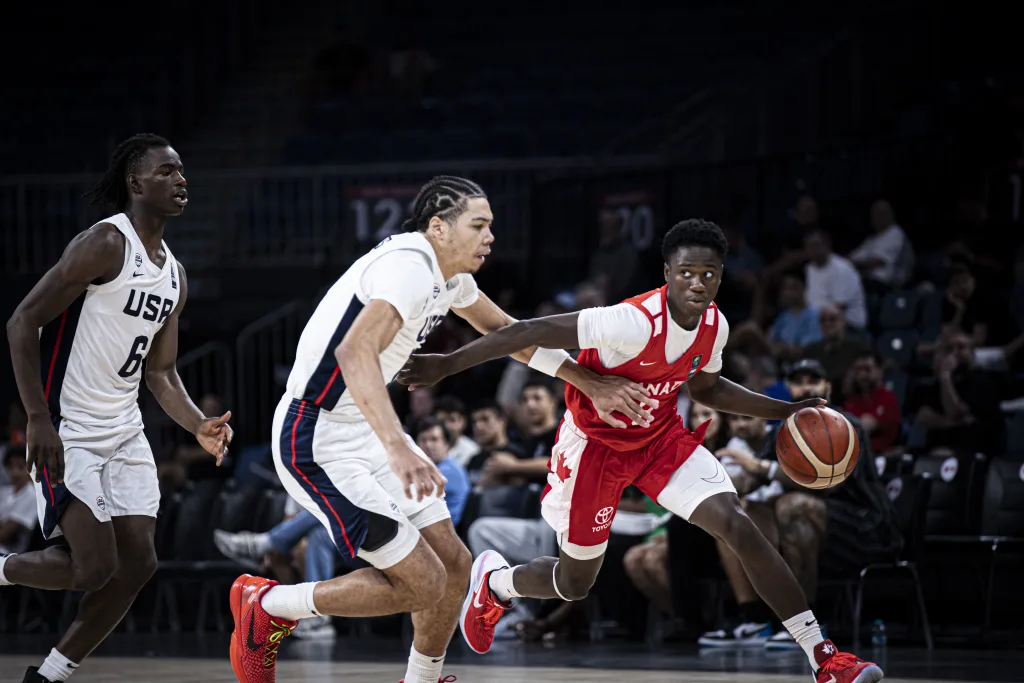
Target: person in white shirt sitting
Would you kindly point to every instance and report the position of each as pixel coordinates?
(833, 280)
(17, 504)
(885, 257)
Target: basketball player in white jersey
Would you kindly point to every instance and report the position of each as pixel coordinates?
(341, 453)
(110, 303)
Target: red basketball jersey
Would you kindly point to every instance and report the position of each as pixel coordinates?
(651, 369)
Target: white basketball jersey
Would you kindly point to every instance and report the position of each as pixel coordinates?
(409, 279)
(99, 343)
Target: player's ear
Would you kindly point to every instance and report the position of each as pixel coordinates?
(666, 272)
(436, 227)
(134, 186)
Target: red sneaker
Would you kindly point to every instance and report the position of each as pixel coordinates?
(446, 679)
(842, 667)
(482, 610)
(257, 635)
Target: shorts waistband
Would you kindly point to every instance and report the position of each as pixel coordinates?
(313, 412)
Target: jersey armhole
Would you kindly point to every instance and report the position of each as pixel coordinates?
(124, 264)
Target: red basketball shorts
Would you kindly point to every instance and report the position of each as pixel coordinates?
(586, 480)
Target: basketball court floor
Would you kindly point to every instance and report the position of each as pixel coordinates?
(203, 659)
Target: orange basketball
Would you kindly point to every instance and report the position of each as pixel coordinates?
(817, 447)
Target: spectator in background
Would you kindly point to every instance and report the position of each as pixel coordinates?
(421, 404)
(837, 351)
(872, 403)
(832, 280)
(435, 439)
(960, 310)
(646, 564)
(451, 411)
(837, 530)
(190, 461)
(886, 257)
(797, 325)
(490, 431)
(17, 504)
(961, 412)
(614, 263)
(744, 265)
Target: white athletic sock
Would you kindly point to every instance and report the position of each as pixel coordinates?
(290, 602)
(423, 669)
(806, 631)
(3, 561)
(500, 581)
(57, 667)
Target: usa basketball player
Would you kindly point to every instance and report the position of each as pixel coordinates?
(662, 339)
(110, 303)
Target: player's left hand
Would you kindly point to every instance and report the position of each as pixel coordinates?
(423, 370)
(214, 434)
(797, 406)
(611, 394)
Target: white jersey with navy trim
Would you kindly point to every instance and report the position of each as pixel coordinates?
(401, 270)
(92, 355)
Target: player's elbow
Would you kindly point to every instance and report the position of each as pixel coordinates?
(350, 353)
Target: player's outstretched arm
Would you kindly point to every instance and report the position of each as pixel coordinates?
(94, 255)
(358, 357)
(213, 433)
(609, 393)
(714, 391)
(550, 332)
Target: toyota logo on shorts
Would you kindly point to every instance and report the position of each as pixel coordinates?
(604, 514)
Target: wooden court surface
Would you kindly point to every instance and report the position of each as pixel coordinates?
(175, 670)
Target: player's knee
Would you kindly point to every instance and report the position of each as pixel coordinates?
(428, 585)
(458, 564)
(92, 574)
(633, 561)
(139, 567)
(574, 588)
(791, 507)
(736, 526)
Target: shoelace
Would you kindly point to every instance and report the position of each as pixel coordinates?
(279, 632)
(493, 613)
(447, 679)
(838, 662)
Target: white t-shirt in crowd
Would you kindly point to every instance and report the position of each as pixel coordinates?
(19, 506)
(620, 333)
(891, 246)
(837, 283)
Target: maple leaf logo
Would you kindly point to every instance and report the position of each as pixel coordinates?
(562, 471)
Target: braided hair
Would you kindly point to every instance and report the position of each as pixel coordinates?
(444, 196)
(694, 232)
(112, 188)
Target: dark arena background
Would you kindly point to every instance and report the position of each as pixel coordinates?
(892, 128)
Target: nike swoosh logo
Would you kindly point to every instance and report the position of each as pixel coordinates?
(435, 661)
(718, 478)
(251, 640)
(476, 598)
(643, 363)
(812, 622)
(831, 679)
(137, 274)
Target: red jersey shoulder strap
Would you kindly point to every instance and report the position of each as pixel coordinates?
(652, 304)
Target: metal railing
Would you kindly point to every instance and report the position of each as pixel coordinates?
(264, 353)
(296, 216)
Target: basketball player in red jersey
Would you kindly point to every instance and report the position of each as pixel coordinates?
(662, 339)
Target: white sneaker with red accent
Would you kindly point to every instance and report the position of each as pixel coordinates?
(482, 609)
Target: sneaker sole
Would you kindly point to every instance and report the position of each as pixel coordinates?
(237, 588)
(870, 674)
(474, 585)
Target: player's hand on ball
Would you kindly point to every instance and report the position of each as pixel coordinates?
(797, 406)
(614, 394)
(423, 370)
(419, 476)
(214, 434)
(44, 448)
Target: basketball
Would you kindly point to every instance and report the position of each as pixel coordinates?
(817, 447)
